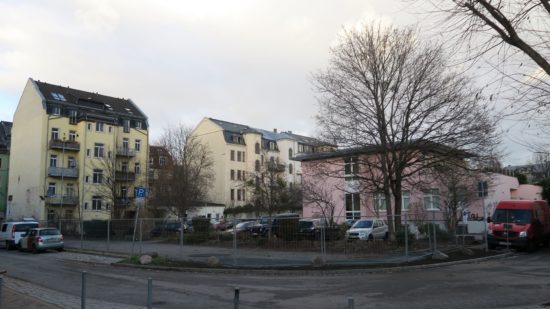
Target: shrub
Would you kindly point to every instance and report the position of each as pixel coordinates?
(440, 233)
(400, 237)
(201, 226)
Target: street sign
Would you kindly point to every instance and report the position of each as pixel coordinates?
(140, 192)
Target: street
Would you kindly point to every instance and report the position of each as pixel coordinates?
(519, 281)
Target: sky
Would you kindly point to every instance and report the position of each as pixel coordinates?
(243, 61)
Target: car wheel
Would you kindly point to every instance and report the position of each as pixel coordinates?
(60, 249)
(34, 249)
(371, 238)
(386, 236)
(8, 247)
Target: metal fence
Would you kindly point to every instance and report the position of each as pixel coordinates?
(408, 234)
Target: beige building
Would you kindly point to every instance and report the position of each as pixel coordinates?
(239, 150)
(75, 153)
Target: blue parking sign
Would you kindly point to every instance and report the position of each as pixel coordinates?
(139, 192)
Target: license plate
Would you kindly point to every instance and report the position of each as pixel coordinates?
(503, 243)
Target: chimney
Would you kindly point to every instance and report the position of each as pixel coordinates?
(275, 130)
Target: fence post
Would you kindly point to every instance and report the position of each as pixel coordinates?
(181, 234)
(1, 284)
(234, 242)
(236, 299)
(351, 303)
(83, 291)
(149, 293)
(406, 238)
(435, 231)
(108, 234)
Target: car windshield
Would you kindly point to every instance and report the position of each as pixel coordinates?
(512, 216)
(24, 227)
(362, 224)
(49, 232)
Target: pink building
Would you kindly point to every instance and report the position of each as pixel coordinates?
(338, 192)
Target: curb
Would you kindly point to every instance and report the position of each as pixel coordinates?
(320, 272)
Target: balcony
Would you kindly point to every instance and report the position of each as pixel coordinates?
(70, 172)
(65, 145)
(125, 152)
(125, 176)
(58, 200)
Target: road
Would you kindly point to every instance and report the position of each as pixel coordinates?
(521, 281)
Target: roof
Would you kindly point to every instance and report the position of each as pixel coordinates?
(89, 99)
(5, 135)
(266, 134)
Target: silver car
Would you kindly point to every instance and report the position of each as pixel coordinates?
(368, 229)
(40, 239)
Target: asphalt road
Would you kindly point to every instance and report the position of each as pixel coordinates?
(521, 281)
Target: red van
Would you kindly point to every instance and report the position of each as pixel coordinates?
(522, 224)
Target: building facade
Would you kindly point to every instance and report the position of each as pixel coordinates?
(5, 137)
(75, 154)
(240, 151)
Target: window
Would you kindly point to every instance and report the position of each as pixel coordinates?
(88, 151)
(51, 189)
(162, 161)
(96, 203)
(138, 124)
(351, 168)
(151, 161)
(257, 166)
(126, 125)
(50, 216)
(123, 192)
(289, 153)
(53, 161)
(232, 155)
(85, 205)
(137, 168)
(89, 127)
(290, 168)
(98, 176)
(238, 194)
(110, 129)
(99, 126)
(58, 96)
(353, 210)
(431, 199)
(405, 200)
(232, 175)
(87, 179)
(73, 116)
(239, 175)
(124, 167)
(232, 194)
(379, 201)
(69, 189)
(56, 110)
(55, 134)
(125, 143)
(137, 145)
(72, 136)
(98, 150)
(271, 145)
(257, 148)
(238, 156)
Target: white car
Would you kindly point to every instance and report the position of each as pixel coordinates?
(368, 229)
(11, 232)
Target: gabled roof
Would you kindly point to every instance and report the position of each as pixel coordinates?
(89, 99)
(5, 135)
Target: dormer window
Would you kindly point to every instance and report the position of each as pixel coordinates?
(56, 110)
(138, 124)
(58, 96)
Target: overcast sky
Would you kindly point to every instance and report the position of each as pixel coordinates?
(248, 62)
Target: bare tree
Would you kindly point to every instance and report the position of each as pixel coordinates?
(513, 37)
(187, 176)
(321, 198)
(268, 185)
(388, 93)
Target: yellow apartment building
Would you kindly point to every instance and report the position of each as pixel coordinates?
(75, 154)
(238, 151)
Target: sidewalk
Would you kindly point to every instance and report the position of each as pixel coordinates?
(12, 299)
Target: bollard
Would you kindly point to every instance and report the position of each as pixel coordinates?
(236, 300)
(108, 235)
(149, 293)
(83, 291)
(351, 304)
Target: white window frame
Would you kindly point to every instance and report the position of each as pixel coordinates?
(432, 199)
(380, 203)
(405, 200)
(355, 211)
(99, 150)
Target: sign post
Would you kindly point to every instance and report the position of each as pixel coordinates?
(483, 192)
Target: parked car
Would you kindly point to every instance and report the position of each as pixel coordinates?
(314, 228)
(368, 229)
(245, 228)
(167, 228)
(279, 220)
(11, 232)
(41, 239)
